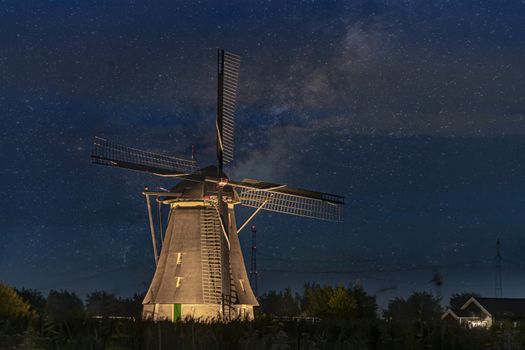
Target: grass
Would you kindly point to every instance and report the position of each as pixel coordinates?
(264, 333)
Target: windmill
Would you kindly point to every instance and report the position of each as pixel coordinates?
(200, 272)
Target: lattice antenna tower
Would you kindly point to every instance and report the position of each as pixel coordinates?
(253, 261)
(498, 290)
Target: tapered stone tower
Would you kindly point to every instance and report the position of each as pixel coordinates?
(200, 271)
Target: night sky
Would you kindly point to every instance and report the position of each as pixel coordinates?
(413, 110)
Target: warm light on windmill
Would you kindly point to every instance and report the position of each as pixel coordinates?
(200, 272)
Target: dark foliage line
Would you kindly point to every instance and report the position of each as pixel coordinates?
(349, 321)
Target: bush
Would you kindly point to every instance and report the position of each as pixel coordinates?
(13, 305)
(15, 317)
(63, 305)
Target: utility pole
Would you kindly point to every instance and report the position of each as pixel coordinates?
(498, 290)
(253, 260)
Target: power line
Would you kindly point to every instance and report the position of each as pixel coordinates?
(461, 265)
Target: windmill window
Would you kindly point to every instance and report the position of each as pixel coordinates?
(179, 258)
(178, 282)
(242, 285)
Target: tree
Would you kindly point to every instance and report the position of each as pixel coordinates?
(12, 305)
(338, 302)
(106, 304)
(342, 304)
(134, 305)
(315, 300)
(457, 300)
(366, 304)
(420, 306)
(63, 305)
(280, 304)
(34, 298)
(100, 303)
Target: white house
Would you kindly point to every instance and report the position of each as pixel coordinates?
(485, 312)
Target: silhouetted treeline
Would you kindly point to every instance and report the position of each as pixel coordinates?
(349, 320)
(420, 306)
(320, 301)
(62, 305)
(105, 304)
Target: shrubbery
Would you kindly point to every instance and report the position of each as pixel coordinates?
(13, 305)
(320, 301)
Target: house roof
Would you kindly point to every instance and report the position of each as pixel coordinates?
(497, 306)
(476, 307)
(503, 306)
(458, 313)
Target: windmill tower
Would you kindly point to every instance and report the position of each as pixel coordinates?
(200, 272)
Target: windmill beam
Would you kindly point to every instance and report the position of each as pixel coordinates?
(113, 154)
(222, 227)
(152, 228)
(253, 215)
(162, 194)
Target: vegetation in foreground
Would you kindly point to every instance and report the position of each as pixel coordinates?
(348, 321)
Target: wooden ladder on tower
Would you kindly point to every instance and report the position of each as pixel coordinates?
(211, 233)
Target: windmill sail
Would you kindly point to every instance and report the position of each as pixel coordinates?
(113, 154)
(228, 77)
(288, 200)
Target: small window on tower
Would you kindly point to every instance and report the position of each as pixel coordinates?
(242, 285)
(178, 282)
(179, 258)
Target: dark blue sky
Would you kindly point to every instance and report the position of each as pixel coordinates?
(412, 110)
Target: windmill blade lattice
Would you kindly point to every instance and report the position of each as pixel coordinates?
(113, 154)
(229, 66)
(288, 200)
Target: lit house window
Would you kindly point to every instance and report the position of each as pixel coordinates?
(478, 324)
(179, 258)
(178, 282)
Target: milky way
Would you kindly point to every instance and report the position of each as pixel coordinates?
(414, 112)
